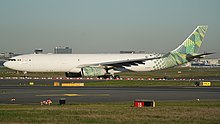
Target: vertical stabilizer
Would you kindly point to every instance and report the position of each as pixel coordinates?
(189, 47)
(192, 44)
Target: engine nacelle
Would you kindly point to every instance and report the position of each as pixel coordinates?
(93, 71)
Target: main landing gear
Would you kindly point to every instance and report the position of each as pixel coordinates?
(109, 76)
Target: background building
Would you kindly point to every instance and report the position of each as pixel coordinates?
(62, 50)
(38, 51)
(4, 57)
(126, 52)
(133, 52)
(9, 55)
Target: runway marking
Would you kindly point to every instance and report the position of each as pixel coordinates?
(75, 95)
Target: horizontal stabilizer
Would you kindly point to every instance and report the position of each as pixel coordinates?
(190, 57)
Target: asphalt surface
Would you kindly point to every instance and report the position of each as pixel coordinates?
(36, 94)
(23, 82)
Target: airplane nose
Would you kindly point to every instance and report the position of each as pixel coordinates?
(5, 64)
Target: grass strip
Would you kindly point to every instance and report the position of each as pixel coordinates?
(164, 112)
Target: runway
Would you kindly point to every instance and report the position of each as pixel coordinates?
(36, 94)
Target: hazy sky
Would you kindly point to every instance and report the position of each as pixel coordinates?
(102, 26)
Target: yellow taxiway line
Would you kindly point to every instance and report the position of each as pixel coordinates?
(74, 95)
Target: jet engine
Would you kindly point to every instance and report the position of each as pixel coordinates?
(93, 71)
(87, 72)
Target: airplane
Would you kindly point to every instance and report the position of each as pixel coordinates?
(107, 65)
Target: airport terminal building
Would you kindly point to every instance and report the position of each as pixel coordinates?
(206, 63)
(62, 50)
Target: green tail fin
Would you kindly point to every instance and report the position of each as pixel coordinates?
(189, 47)
(192, 44)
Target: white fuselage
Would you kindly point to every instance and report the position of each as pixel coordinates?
(84, 63)
(72, 62)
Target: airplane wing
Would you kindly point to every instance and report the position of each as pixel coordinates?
(119, 64)
(134, 62)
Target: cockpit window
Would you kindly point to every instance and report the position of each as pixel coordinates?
(12, 59)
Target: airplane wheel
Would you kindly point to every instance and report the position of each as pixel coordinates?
(116, 76)
(111, 77)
